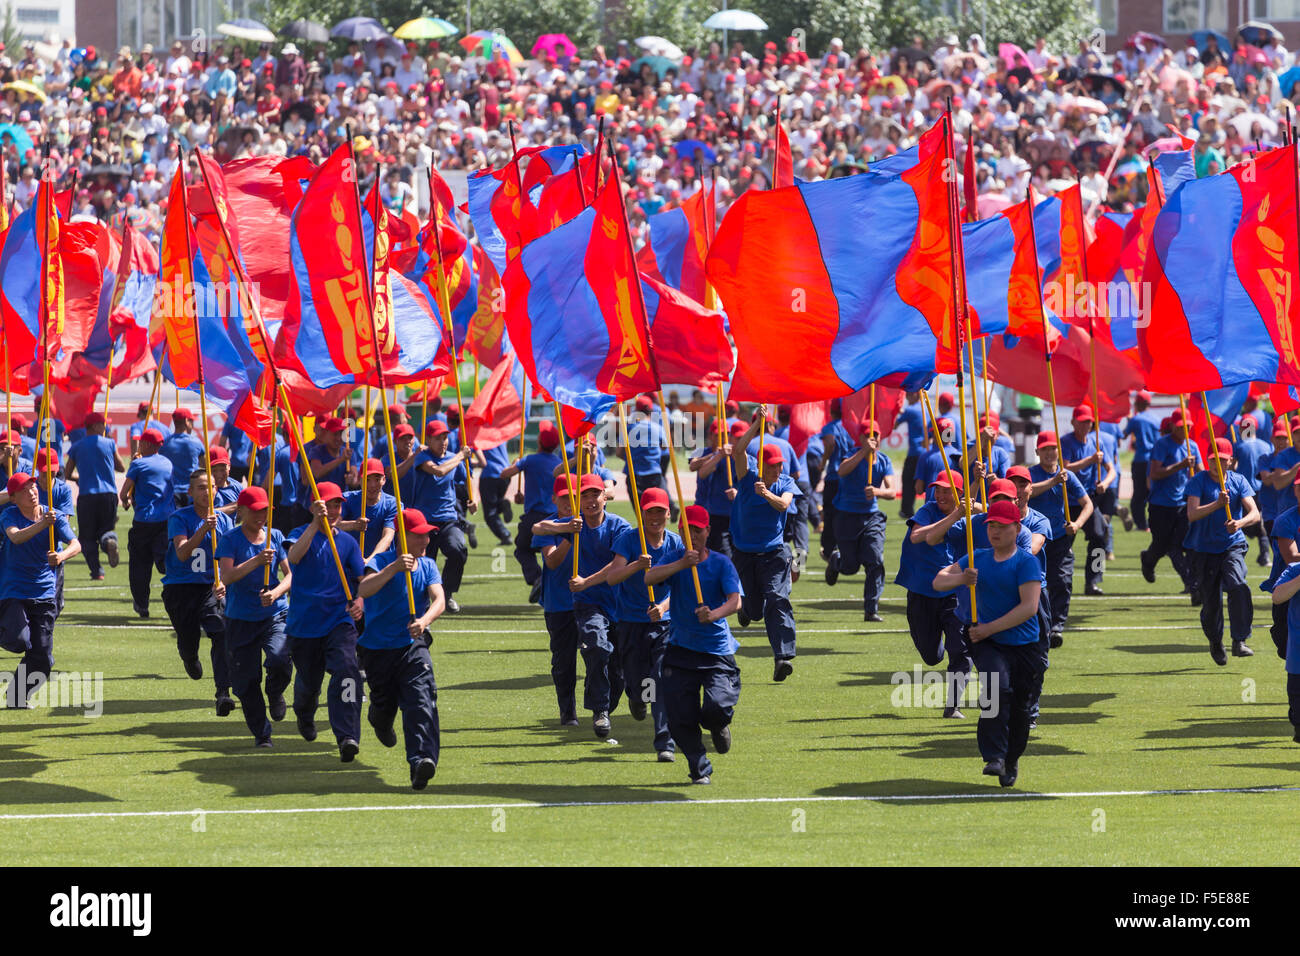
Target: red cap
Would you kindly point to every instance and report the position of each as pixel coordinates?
(738, 429)
(1177, 418)
(773, 455)
(591, 482)
(1144, 395)
(1083, 413)
(184, 413)
(1002, 486)
(948, 397)
(403, 431)
(654, 498)
(1003, 512)
(396, 409)
(944, 424)
(548, 438)
(435, 428)
(151, 435)
(1280, 428)
(94, 418)
(943, 482)
(374, 466)
(1047, 438)
(643, 403)
(697, 516)
(870, 428)
(12, 438)
(332, 424)
(218, 456)
(731, 408)
(1295, 424)
(416, 522)
(1222, 448)
(253, 497)
(562, 486)
(18, 481)
(1018, 471)
(328, 491)
(142, 407)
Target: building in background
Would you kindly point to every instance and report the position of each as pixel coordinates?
(46, 20)
(110, 24)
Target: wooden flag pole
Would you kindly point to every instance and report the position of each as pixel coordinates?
(724, 435)
(636, 498)
(575, 495)
(871, 458)
(947, 470)
(270, 493)
(1218, 462)
(1187, 433)
(45, 425)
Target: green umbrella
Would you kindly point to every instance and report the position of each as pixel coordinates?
(425, 28)
(660, 64)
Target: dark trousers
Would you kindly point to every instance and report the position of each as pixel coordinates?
(700, 692)
(1017, 672)
(494, 491)
(1278, 630)
(450, 540)
(1044, 646)
(657, 481)
(720, 534)
(27, 628)
(1168, 529)
(830, 487)
(1293, 699)
(1060, 579)
(796, 522)
(525, 553)
(1215, 574)
(194, 611)
(815, 498)
(96, 521)
(1096, 533)
(909, 486)
(146, 549)
(641, 646)
(247, 643)
(861, 542)
(335, 654)
(563, 630)
(402, 679)
(1260, 534)
(604, 681)
(765, 589)
(1138, 506)
(937, 630)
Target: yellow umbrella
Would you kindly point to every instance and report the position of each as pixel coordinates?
(425, 28)
(891, 85)
(23, 86)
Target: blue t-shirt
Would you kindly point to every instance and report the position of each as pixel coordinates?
(1285, 525)
(318, 452)
(998, 591)
(62, 496)
(913, 416)
(1051, 504)
(930, 466)
(1273, 500)
(382, 514)
(711, 489)
(1145, 432)
(800, 461)
(838, 446)
(94, 457)
(434, 496)
(850, 497)
(633, 599)
(539, 478)
(1249, 452)
(718, 578)
(919, 563)
(198, 569)
(185, 452)
(1110, 452)
(595, 550)
(25, 572)
(1072, 450)
(755, 525)
(153, 492)
(1209, 536)
(138, 428)
(495, 460)
(1035, 522)
(286, 470)
(648, 444)
(24, 466)
(387, 613)
(1292, 622)
(54, 435)
(556, 596)
(244, 597)
(227, 494)
(979, 532)
(317, 603)
(239, 445)
(996, 463)
(1171, 491)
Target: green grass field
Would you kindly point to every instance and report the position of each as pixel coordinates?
(825, 770)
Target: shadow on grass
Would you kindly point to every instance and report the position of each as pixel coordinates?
(260, 773)
(574, 793)
(760, 648)
(27, 792)
(916, 789)
(1209, 728)
(530, 682)
(1174, 672)
(868, 679)
(1201, 648)
(1063, 701)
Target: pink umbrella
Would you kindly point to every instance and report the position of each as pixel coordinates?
(1171, 76)
(1255, 56)
(557, 44)
(990, 204)
(1014, 56)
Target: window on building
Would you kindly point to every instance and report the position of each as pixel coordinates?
(36, 15)
(1186, 16)
(1277, 9)
(1108, 15)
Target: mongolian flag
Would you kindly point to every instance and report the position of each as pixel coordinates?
(499, 206)
(500, 407)
(783, 159)
(1223, 274)
(21, 268)
(690, 346)
(857, 410)
(565, 195)
(678, 246)
(89, 256)
(574, 314)
(810, 278)
(137, 275)
(485, 335)
(1225, 406)
(1105, 272)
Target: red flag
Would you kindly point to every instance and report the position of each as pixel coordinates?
(1022, 368)
(968, 178)
(496, 413)
(783, 162)
(856, 410)
(1024, 292)
(689, 343)
(175, 291)
(807, 419)
(486, 336)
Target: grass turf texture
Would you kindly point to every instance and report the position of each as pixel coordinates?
(1132, 702)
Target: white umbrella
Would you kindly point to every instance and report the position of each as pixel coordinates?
(1244, 121)
(735, 20)
(244, 29)
(658, 46)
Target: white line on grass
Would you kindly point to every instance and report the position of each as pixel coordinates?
(720, 801)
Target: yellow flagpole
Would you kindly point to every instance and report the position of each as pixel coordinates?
(1209, 440)
(947, 469)
(270, 512)
(636, 499)
(574, 496)
(445, 305)
(677, 482)
(724, 435)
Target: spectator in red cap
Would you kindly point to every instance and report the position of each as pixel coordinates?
(1047, 497)
(93, 463)
(866, 478)
(148, 489)
(1217, 549)
(1143, 426)
(370, 513)
(195, 605)
(256, 610)
(701, 682)
(758, 541)
(434, 494)
(1005, 640)
(1174, 460)
(393, 650)
(557, 600)
(1082, 454)
(595, 605)
(28, 603)
(182, 447)
(322, 622)
(538, 470)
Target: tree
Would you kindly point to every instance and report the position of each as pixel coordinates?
(1062, 22)
(9, 34)
(817, 21)
(681, 21)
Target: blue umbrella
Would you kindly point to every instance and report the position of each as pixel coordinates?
(1200, 36)
(687, 148)
(20, 138)
(1257, 32)
(660, 64)
(360, 29)
(1287, 78)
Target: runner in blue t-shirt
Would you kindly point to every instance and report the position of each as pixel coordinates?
(1143, 426)
(866, 477)
(1049, 486)
(1284, 531)
(1249, 451)
(370, 513)
(225, 490)
(434, 495)
(148, 488)
(93, 463)
(1288, 583)
(538, 470)
(1173, 462)
(715, 486)
(557, 602)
